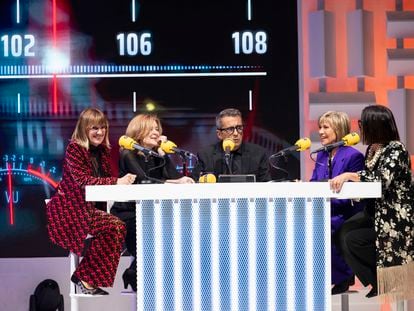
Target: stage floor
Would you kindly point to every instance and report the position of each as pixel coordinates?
(19, 277)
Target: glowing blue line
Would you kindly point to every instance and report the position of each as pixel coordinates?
(18, 103)
(310, 256)
(133, 11)
(134, 101)
(196, 257)
(251, 228)
(234, 276)
(137, 75)
(18, 11)
(34, 76)
(327, 244)
(178, 282)
(249, 10)
(14, 169)
(215, 258)
(271, 284)
(290, 252)
(140, 258)
(159, 268)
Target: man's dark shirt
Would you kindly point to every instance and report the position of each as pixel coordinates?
(248, 159)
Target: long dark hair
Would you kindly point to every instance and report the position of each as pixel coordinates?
(378, 125)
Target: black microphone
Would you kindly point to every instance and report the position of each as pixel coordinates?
(348, 140)
(300, 145)
(130, 144)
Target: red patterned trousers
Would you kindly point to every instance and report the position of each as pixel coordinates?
(100, 262)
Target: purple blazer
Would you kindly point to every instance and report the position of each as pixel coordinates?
(346, 159)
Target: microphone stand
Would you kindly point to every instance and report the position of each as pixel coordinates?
(184, 164)
(149, 179)
(330, 164)
(277, 167)
(227, 161)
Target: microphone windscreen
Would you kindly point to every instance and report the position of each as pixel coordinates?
(207, 178)
(126, 142)
(351, 139)
(228, 144)
(168, 146)
(303, 144)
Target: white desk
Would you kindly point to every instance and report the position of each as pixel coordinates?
(239, 246)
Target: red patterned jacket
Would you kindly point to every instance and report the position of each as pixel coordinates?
(67, 211)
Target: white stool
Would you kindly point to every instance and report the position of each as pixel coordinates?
(74, 262)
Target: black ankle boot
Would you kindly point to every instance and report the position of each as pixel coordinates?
(130, 278)
(343, 286)
(372, 293)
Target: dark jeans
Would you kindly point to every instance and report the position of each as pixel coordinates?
(356, 242)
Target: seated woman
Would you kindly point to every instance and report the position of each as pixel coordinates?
(332, 127)
(378, 243)
(71, 218)
(146, 130)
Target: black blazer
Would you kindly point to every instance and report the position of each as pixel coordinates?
(253, 161)
(131, 162)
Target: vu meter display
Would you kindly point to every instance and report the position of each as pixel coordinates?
(183, 60)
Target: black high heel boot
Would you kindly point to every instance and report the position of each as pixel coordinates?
(130, 278)
(372, 293)
(85, 290)
(343, 286)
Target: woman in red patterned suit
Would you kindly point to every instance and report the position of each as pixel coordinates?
(71, 218)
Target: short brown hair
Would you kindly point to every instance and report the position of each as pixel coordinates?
(229, 112)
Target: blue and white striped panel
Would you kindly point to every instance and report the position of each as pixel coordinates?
(233, 254)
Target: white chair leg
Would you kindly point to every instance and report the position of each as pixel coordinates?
(74, 303)
(74, 262)
(400, 305)
(344, 302)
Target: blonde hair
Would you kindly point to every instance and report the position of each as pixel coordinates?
(141, 125)
(339, 121)
(89, 118)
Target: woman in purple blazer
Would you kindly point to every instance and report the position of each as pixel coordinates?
(332, 127)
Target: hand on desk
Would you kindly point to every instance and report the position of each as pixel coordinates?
(337, 182)
(182, 180)
(128, 179)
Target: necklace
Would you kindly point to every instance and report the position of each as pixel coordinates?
(374, 153)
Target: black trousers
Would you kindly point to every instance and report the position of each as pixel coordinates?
(356, 242)
(128, 217)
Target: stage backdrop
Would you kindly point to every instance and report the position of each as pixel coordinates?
(352, 54)
(185, 60)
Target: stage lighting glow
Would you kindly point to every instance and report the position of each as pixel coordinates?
(55, 60)
(150, 106)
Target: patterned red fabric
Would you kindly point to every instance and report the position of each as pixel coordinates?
(98, 266)
(71, 218)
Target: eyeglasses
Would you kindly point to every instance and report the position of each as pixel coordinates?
(97, 128)
(230, 130)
